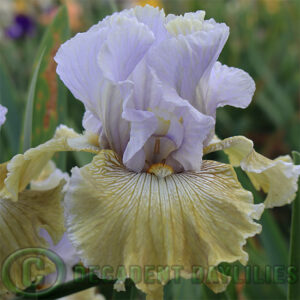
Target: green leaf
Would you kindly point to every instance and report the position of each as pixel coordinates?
(282, 107)
(182, 289)
(294, 287)
(207, 294)
(9, 98)
(271, 238)
(50, 95)
(29, 106)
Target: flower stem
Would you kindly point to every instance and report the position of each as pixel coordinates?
(69, 288)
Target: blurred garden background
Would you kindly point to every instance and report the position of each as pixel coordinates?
(264, 41)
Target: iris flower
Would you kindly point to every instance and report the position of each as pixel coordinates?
(151, 84)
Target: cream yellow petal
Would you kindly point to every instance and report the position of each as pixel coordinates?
(3, 173)
(21, 222)
(181, 25)
(278, 178)
(26, 167)
(117, 217)
(49, 178)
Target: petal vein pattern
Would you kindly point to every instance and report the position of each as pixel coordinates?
(140, 219)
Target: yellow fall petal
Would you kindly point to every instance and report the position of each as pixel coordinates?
(21, 222)
(117, 217)
(24, 168)
(276, 177)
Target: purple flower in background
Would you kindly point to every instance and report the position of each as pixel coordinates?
(22, 26)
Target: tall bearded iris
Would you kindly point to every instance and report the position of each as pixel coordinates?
(151, 85)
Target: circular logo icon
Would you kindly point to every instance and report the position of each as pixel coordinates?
(32, 257)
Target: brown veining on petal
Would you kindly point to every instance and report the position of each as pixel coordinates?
(185, 219)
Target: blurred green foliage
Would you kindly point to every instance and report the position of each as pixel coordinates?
(264, 41)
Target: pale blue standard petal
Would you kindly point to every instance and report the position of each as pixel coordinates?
(181, 61)
(126, 45)
(155, 129)
(224, 86)
(115, 130)
(78, 68)
(151, 84)
(197, 128)
(147, 94)
(91, 122)
(93, 64)
(143, 126)
(163, 127)
(153, 17)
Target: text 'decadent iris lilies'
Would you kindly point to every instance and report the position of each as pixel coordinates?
(151, 85)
